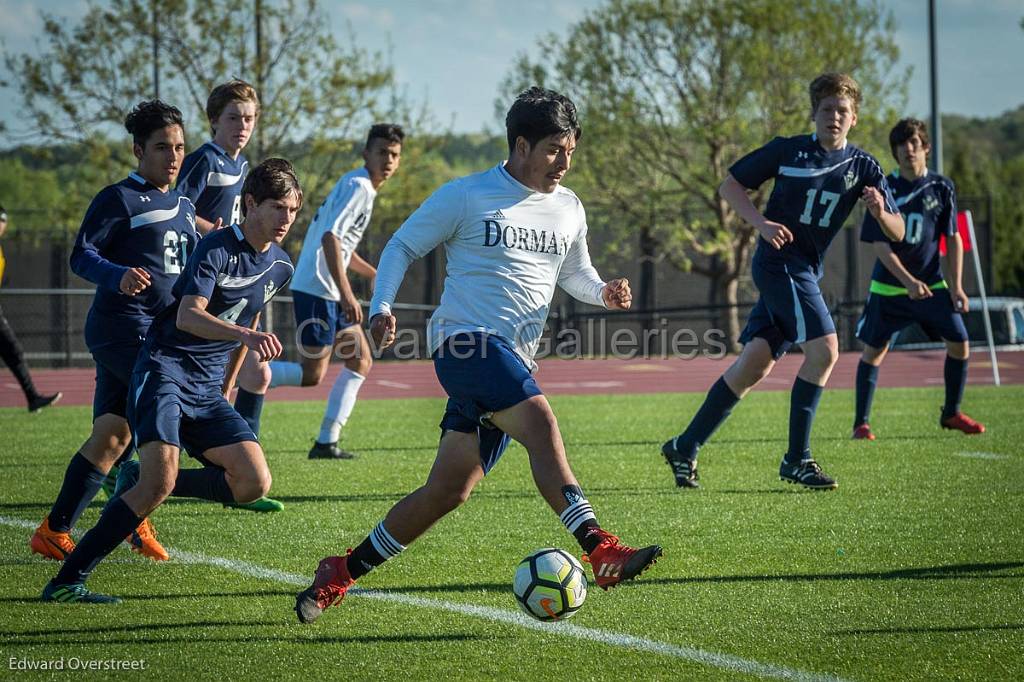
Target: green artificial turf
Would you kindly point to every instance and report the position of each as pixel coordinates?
(912, 569)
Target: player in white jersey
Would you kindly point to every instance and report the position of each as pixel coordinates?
(328, 315)
(510, 235)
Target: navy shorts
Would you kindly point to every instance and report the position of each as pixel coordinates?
(162, 410)
(318, 320)
(114, 364)
(790, 310)
(884, 316)
(482, 374)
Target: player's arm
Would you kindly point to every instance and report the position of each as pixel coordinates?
(579, 278)
(889, 219)
(336, 266)
(235, 362)
(205, 227)
(915, 287)
(103, 220)
(358, 265)
(435, 221)
(952, 270)
(735, 194)
(194, 319)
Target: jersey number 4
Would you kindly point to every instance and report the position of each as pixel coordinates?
(828, 199)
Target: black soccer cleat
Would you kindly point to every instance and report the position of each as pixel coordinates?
(808, 474)
(683, 468)
(40, 401)
(75, 593)
(328, 451)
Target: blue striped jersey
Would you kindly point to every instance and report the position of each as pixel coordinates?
(213, 181)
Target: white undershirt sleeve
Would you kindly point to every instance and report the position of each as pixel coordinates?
(578, 276)
(434, 222)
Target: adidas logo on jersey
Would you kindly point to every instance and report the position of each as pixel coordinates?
(498, 215)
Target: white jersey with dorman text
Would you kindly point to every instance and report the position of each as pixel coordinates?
(345, 213)
(506, 245)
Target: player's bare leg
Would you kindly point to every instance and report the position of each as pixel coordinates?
(245, 469)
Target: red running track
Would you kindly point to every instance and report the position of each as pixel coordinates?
(560, 377)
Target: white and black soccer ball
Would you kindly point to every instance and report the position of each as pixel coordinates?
(550, 584)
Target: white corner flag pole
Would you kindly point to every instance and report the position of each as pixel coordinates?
(984, 299)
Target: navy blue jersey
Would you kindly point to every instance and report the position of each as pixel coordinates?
(132, 224)
(928, 205)
(814, 192)
(213, 181)
(238, 282)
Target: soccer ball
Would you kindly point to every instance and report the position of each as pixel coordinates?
(550, 584)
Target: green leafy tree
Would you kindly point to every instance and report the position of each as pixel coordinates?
(671, 92)
(314, 90)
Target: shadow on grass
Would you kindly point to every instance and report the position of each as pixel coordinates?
(88, 635)
(949, 572)
(929, 630)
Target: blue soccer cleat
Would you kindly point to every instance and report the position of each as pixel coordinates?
(75, 593)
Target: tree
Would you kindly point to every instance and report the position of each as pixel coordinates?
(313, 90)
(671, 92)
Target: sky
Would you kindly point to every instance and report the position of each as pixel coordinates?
(454, 53)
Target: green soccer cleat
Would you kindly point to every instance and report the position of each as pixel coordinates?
(109, 484)
(75, 593)
(263, 505)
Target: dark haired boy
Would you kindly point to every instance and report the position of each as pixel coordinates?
(133, 244)
(191, 352)
(483, 338)
(907, 284)
(818, 180)
(328, 316)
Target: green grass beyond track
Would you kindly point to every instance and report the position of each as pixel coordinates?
(913, 569)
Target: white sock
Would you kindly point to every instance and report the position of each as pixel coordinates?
(285, 373)
(340, 403)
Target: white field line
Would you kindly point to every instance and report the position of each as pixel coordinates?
(393, 384)
(709, 658)
(982, 455)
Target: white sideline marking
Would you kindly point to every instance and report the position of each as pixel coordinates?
(982, 455)
(710, 658)
(393, 384)
(582, 384)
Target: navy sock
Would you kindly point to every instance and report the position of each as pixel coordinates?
(716, 408)
(802, 406)
(375, 549)
(867, 379)
(956, 378)
(205, 483)
(250, 406)
(82, 481)
(115, 524)
(208, 483)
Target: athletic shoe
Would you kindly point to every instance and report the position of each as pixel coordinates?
(143, 541)
(328, 451)
(683, 468)
(961, 422)
(863, 432)
(50, 543)
(808, 474)
(330, 584)
(75, 593)
(263, 505)
(41, 401)
(613, 562)
(109, 484)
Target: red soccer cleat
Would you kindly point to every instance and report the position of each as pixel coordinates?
(961, 422)
(614, 562)
(863, 432)
(330, 584)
